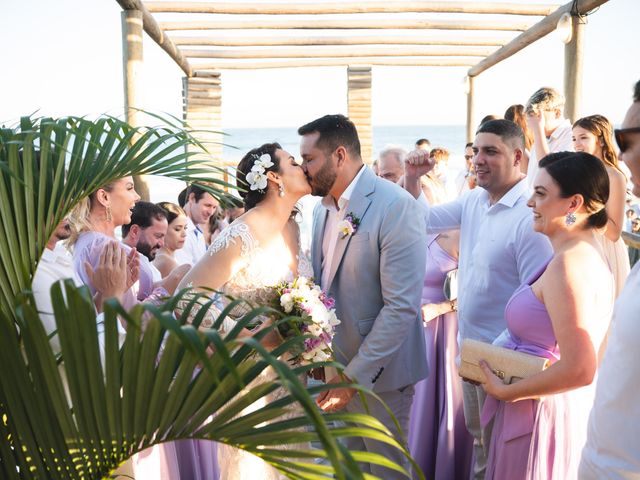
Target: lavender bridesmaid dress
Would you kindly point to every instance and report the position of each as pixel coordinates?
(539, 439)
(438, 438)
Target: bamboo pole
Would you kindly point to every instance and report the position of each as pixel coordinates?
(155, 32)
(471, 110)
(358, 101)
(346, 51)
(202, 68)
(536, 32)
(202, 110)
(317, 8)
(131, 69)
(317, 24)
(326, 40)
(573, 63)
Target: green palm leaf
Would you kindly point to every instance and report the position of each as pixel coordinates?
(81, 412)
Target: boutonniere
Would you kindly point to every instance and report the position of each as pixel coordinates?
(349, 225)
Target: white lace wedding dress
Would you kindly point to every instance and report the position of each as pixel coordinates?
(253, 282)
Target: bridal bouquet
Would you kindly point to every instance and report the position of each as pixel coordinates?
(317, 318)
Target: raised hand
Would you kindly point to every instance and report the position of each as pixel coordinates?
(417, 163)
(109, 278)
(133, 268)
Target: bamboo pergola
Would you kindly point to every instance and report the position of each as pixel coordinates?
(206, 38)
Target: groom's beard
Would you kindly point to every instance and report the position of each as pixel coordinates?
(322, 182)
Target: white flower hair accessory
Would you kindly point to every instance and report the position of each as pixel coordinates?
(257, 178)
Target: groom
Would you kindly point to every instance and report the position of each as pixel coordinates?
(368, 252)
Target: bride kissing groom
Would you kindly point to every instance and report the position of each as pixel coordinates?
(368, 253)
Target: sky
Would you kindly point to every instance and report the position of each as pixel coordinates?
(64, 57)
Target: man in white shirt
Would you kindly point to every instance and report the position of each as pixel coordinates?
(498, 248)
(612, 450)
(200, 205)
(146, 233)
(551, 131)
(56, 264)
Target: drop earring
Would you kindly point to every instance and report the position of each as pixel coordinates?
(109, 216)
(570, 219)
(280, 190)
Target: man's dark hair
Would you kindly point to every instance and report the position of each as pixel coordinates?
(422, 141)
(197, 190)
(506, 130)
(636, 92)
(182, 197)
(470, 144)
(143, 215)
(335, 131)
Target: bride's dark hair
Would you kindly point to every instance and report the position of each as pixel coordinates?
(250, 197)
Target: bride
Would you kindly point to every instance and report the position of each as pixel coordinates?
(257, 251)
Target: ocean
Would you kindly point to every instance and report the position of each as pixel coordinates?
(239, 141)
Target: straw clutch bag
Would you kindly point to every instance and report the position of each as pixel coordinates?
(508, 365)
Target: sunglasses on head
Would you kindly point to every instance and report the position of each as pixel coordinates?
(619, 133)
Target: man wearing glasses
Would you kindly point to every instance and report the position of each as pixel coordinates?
(612, 450)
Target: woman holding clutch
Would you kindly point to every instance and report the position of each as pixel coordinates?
(561, 314)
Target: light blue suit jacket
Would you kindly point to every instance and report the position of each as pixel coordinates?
(376, 278)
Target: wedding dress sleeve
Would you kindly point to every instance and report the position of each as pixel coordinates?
(238, 286)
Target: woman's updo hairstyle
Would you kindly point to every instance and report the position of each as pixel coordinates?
(583, 174)
(250, 197)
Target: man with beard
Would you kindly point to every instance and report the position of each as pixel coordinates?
(109, 276)
(146, 233)
(368, 252)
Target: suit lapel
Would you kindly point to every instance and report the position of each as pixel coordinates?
(358, 205)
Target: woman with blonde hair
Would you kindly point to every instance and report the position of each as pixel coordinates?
(594, 135)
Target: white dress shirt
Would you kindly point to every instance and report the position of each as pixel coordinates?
(56, 265)
(331, 234)
(194, 245)
(498, 252)
(559, 141)
(612, 450)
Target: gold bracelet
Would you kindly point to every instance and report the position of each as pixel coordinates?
(454, 305)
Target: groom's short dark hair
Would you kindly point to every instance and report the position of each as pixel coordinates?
(335, 131)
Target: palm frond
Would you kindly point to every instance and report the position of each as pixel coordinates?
(83, 418)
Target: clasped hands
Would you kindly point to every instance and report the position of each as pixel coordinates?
(335, 399)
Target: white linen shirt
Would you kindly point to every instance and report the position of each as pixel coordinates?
(56, 265)
(561, 140)
(498, 252)
(194, 245)
(330, 234)
(612, 450)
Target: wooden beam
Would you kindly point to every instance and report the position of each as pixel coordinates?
(335, 62)
(317, 8)
(155, 32)
(132, 65)
(289, 40)
(339, 24)
(536, 32)
(471, 110)
(346, 51)
(573, 63)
